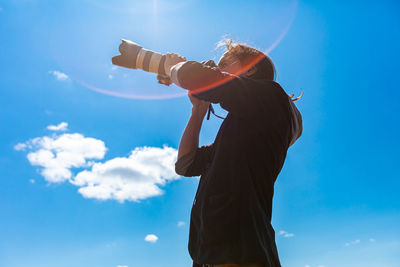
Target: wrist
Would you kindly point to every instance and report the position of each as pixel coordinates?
(168, 69)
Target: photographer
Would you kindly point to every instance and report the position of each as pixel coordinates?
(230, 221)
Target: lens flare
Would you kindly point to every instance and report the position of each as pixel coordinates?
(84, 52)
(254, 61)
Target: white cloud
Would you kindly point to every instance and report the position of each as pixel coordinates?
(133, 178)
(151, 238)
(56, 155)
(307, 266)
(110, 76)
(20, 146)
(372, 240)
(32, 181)
(59, 75)
(352, 243)
(286, 234)
(122, 265)
(180, 224)
(63, 126)
(129, 178)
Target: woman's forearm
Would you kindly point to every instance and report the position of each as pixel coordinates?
(190, 137)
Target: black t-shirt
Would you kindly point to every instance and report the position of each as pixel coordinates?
(231, 213)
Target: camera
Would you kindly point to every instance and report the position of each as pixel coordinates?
(134, 56)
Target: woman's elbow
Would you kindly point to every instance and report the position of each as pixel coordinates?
(180, 171)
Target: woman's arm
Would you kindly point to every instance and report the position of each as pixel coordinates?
(190, 138)
(245, 97)
(192, 160)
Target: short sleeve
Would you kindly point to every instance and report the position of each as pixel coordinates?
(195, 163)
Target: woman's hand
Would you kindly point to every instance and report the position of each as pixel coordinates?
(172, 59)
(199, 106)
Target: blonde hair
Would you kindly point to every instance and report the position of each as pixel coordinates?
(251, 56)
(248, 57)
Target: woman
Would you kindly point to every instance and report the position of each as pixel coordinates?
(230, 221)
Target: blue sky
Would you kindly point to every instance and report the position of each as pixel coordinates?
(112, 182)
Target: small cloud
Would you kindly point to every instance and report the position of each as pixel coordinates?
(181, 223)
(372, 240)
(63, 126)
(352, 243)
(110, 76)
(32, 181)
(321, 265)
(59, 75)
(20, 146)
(151, 238)
(307, 266)
(122, 265)
(286, 234)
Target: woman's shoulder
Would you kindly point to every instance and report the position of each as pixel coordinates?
(269, 87)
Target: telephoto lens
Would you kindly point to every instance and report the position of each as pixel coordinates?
(134, 56)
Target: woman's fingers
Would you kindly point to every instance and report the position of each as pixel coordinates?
(172, 59)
